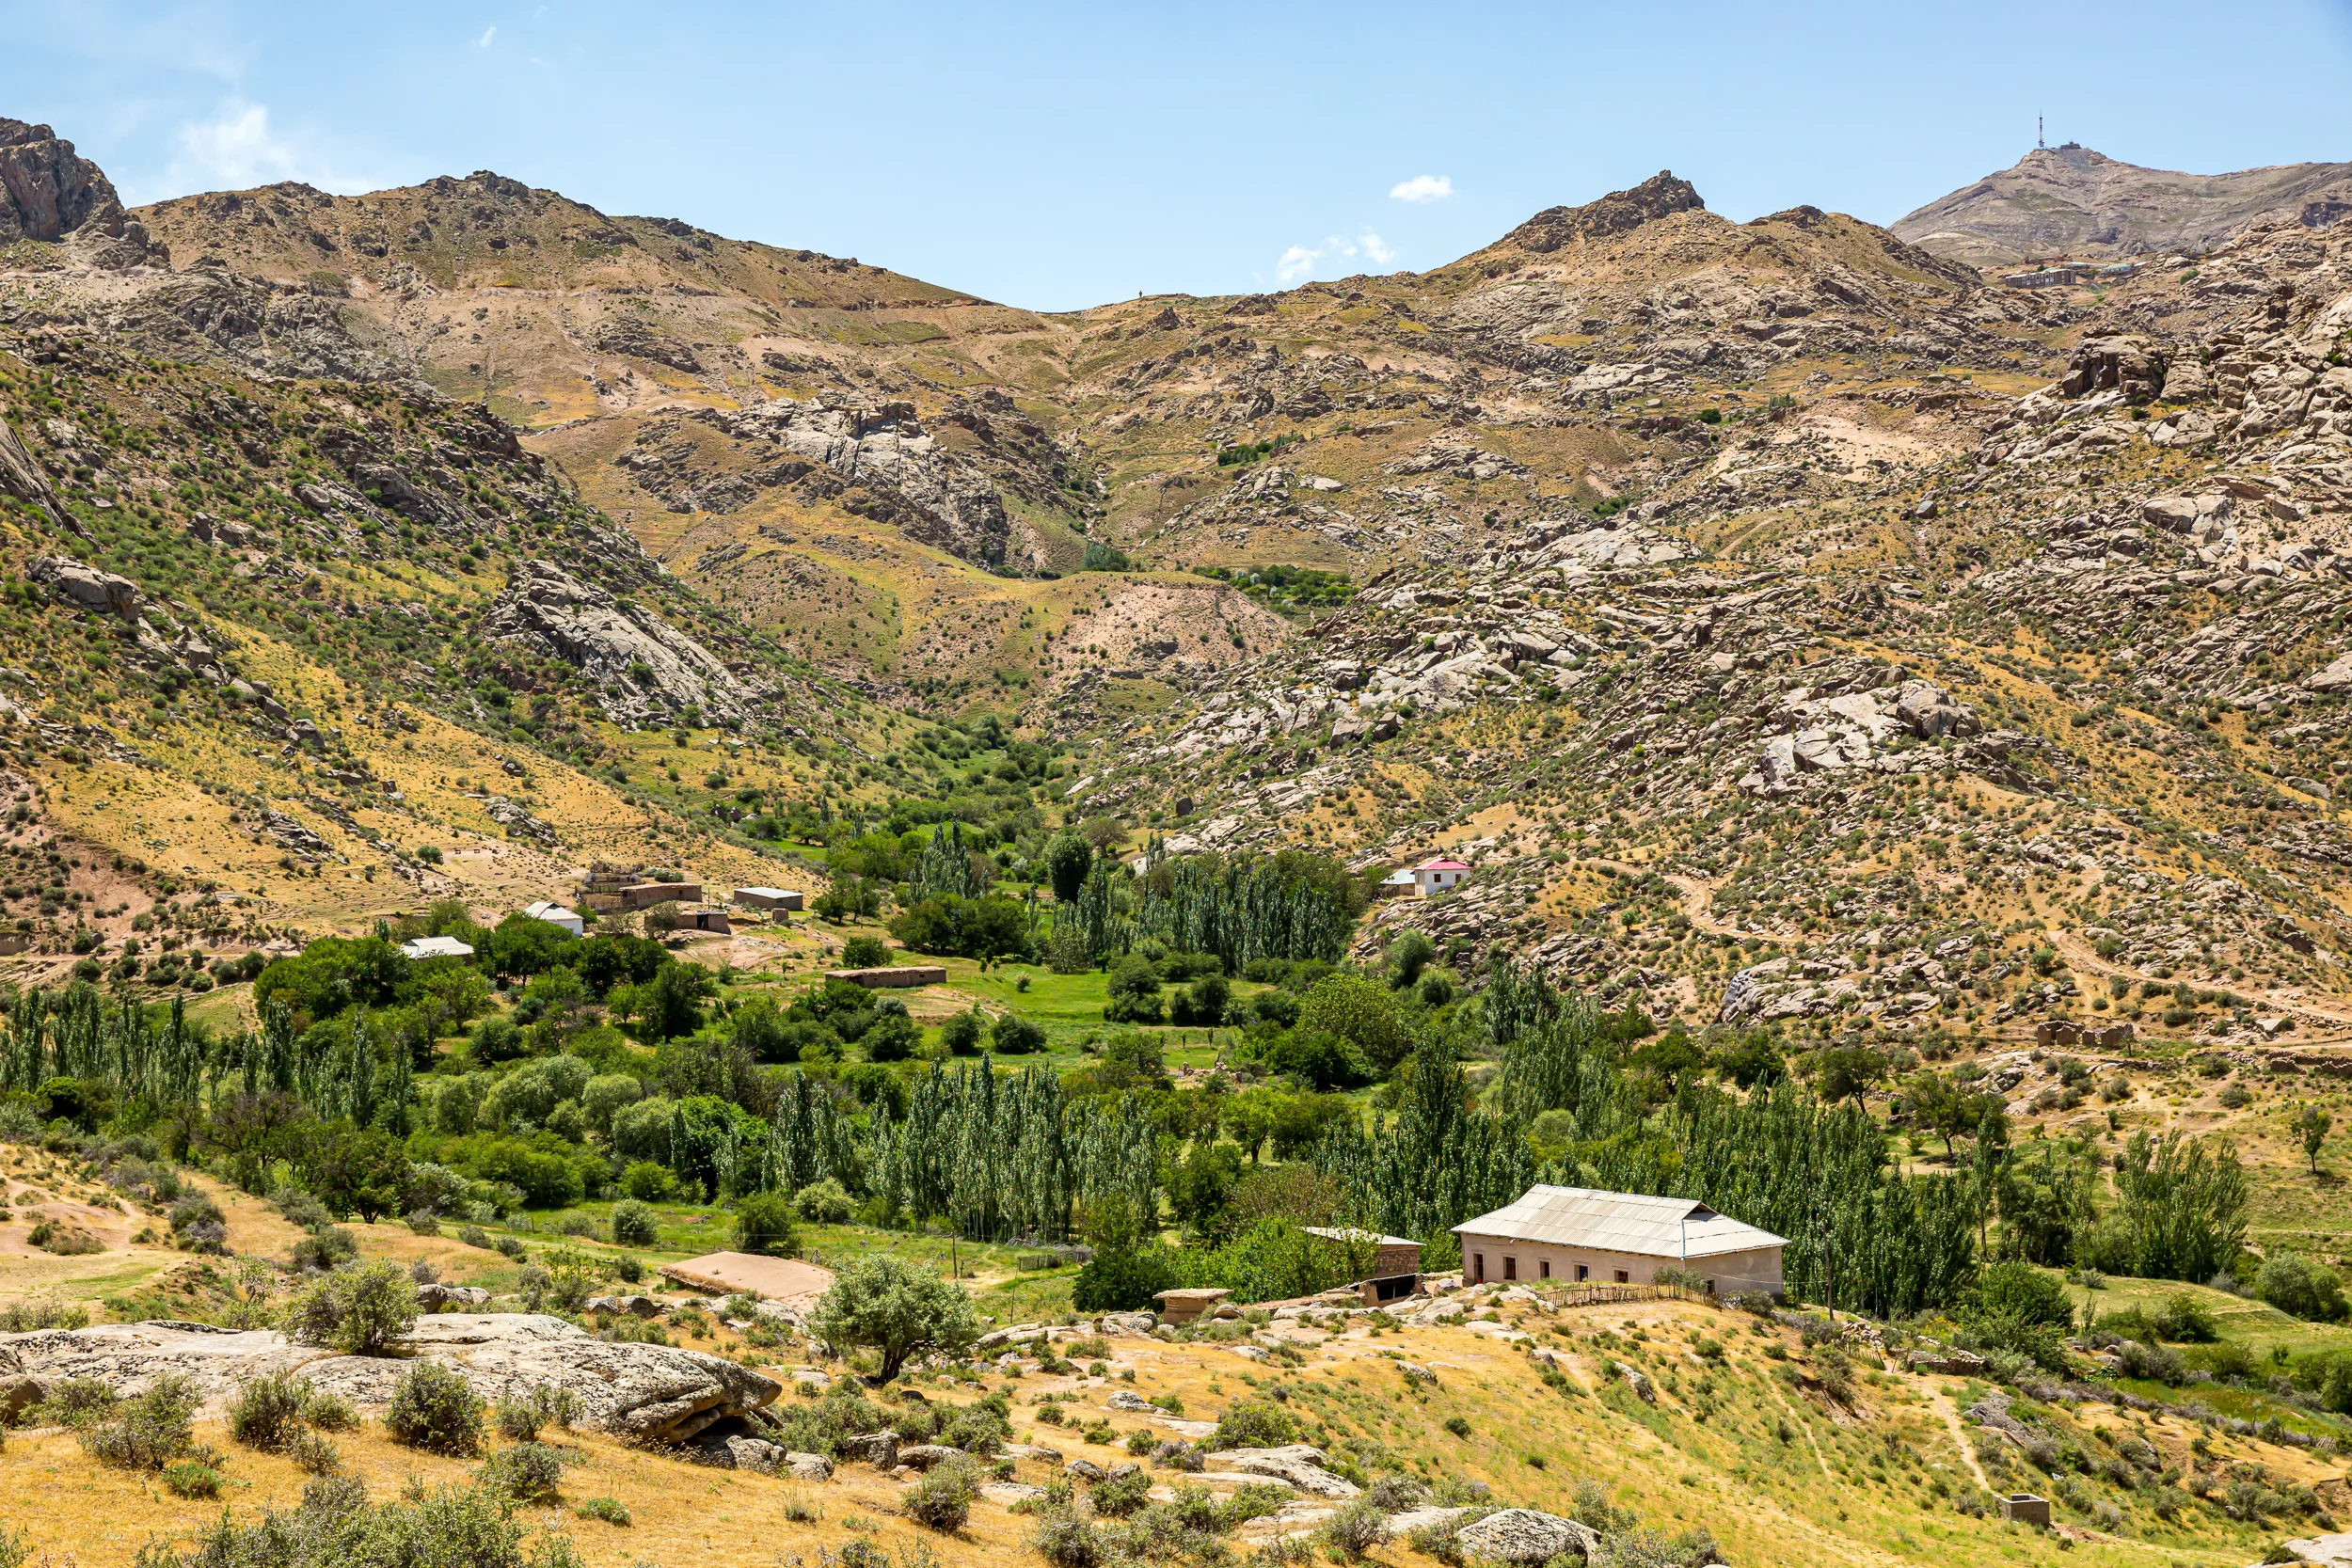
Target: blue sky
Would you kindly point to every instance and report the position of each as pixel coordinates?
(1057, 156)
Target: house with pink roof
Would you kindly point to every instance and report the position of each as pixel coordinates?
(1425, 880)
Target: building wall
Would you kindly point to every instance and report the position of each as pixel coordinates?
(1757, 1270)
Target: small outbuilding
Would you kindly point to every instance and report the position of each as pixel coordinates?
(767, 897)
(1185, 1305)
(556, 915)
(435, 947)
(1583, 1236)
(1395, 1261)
(644, 896)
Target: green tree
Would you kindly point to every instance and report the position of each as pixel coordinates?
(2020, 1290)
(897, 1310)
(1409, 955)
(1847, 1073)
(2301, 1287)
(2311, 1129)
(351, 1170)
(1068, 859)
(673, 1004)
(1358, 1011)
(763, 1225)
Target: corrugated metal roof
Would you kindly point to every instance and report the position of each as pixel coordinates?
(1349, 1233)
(1677, 1227)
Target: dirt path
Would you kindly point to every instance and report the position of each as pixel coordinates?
(2330, 1014)
(1698, 900)
(1804, 1426)
(1944, 1407)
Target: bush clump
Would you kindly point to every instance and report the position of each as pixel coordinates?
(528, 1472)
(434, 1409)
(1255, 1424)
(360, 1310)
(267, 1413)
(634, 1224)
(191, 1479)
(942, 1501)
(763, 1225)
(149, 1430)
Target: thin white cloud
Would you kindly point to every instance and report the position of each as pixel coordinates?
(488, 33)
(236, 149)
(1298, 262)
(1422, 187)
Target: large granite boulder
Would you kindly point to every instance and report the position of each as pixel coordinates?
(87, 586)
(657, 1393)
(1524, 1535)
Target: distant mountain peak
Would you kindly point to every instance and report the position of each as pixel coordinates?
(1660, 195)
(2073, 200)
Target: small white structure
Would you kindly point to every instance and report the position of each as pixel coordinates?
(1424, 881)
(556, 915)
(1582, 1236)
(437, 947)
(767, 897)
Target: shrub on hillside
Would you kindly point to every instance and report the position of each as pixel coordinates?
(360, 1310)
(763, 1225)
(267, 1413)
(825, 1202)
(634, 1224)
(434, 1409)
(147, 1431)
(528, 1472)
(2301, 1286)
(2018, 1290)
(942, 1501)
(1255, 1424)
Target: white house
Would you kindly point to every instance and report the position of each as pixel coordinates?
(1577, 1235)
(767, 897)
(437, 947)
(556, 915)
(1424, 881)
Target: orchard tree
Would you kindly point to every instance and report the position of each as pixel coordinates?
(895, 1310)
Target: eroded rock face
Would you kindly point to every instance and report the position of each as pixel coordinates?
(655, 1393)
(47, 190)
(21, 478)
(655, 669)
(948, 501)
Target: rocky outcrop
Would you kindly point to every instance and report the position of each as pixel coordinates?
(1298, 1463)
(47, 190)
(649, 670)
(21, 478)
(1524, 1535)
(948, 501)
(87, 586)
(1660, 195)
(654, 1393)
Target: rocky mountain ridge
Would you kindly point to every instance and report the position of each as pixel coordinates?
(1733, 595)
(2070, 202)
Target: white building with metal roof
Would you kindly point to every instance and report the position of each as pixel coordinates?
(1577, 1235)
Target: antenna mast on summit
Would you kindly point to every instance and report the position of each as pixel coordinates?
(2038, 142)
